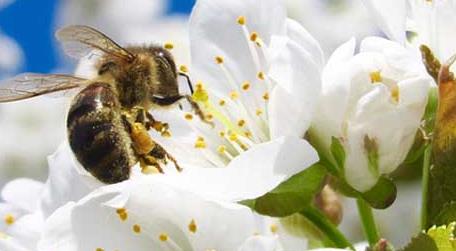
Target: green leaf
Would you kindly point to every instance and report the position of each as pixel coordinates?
(291, 196)
(422, 242)
(382, 195)
(338, 152)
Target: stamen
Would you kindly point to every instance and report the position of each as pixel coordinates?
(122, 212)
(246, 85)
(375, 77)
(259, 112)
(192, 226)
(241, 123)
(188, 116)
(183, 68)
(137, 228)
(395, 94)
(9, 219)
(200, 143)
(274, 228)
(234, 95)
(222, 102)
(253, 36)
(219, 59)
(169, 45)
(200, 94)
(260, 75)
(266, 96)
(99, 249)
(241, 20)
(163, 237)
(209, 117)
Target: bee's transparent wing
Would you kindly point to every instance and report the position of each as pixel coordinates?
(79, 41)
(29, 85)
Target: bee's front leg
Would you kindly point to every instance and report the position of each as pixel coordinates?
(162, 128)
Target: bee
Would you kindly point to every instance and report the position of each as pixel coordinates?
(109, 119)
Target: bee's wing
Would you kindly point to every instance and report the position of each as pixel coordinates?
(29, 85)
(79, 41)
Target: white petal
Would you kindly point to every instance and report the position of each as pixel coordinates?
(27, 230)
(260, 243)
(390, 16)
(267, 164)
(158, 210)
(65, 183)
(23, 193)
(208, 20)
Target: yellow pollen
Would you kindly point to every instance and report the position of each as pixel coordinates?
(166, 134)
(395, 93)
(253, 36)
(221, 149)
(137, 228)
(248, 134)
(169, 45)
(234, 95)
(375, 77)
(192, 226)
(233, 136)
(259, 112)
(9, 219)
(241, 20)
(260, 75)
(122, 212)
(209, 116)
(183, 68)
(245, 85)
(219, 59)
(200, 94)
(200, 143)
(99, 249)
(241, 123)
(188, 116)
(266, 96)
(222, 134)
(274, 228)
(243, 147)
(163, 237)
(222, 102)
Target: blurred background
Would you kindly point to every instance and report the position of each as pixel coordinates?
(30, 130)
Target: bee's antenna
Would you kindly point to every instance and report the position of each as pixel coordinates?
(188, 81)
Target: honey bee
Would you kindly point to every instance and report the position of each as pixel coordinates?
(108, 120)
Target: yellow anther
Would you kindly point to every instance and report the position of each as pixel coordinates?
(234, 95)
(245, 85)
(241, 123)
(221, 149)
(253, 36)
(248, 134)
(169, 45)
(219, 59)
(9, 219)
(122, 212)
(375, 77)
(259, 112)
(266, 96)
(241, 20)
(200, 143)
(395, 93)
(260, 75)
(188, 116)
(274, 228)
(233, 137)
(183, 68)
(137, 228)
(222, 134)
(243, 147)
(222, 102)
(163, 237)
(166, 134)
(200, 94)
(99, 249)
(192, 226)
(209, 116)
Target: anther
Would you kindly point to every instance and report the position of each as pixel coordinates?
(266, 96)
(375, 77)
(241, 20)
(137, 228)
(99, 249)
(274, 228)
(9, 219)
(253, 36)
(221, 149)
(163, 237)
(169, 45)
(260, 75)
(241, 123)
(188, 116)
(246, 85)
(183, 68)
(222, 102)
(219, 59)
(234, 95)
(259, 112)
(122, 212)
(200, 143)
(192, 226)
(200, 94)
(395, 94)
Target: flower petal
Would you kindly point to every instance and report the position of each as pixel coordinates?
(23, 193)
(390, 16)
(251, 174)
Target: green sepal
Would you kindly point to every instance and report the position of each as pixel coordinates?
(338, 153)
(291, 196)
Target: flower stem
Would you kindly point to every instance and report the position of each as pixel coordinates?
(424, 185)
(368, 221)
(326, 227)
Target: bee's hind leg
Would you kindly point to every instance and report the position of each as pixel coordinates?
(160, 153)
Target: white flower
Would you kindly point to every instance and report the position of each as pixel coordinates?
(258, 82)
(373, 102)
(146, 214)
(21, 221)
(432, 22)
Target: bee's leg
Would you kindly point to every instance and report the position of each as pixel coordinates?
(162, 128)
(146, 161)
(197, 109)
(161, 154)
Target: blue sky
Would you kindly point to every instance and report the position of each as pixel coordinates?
(30, 23)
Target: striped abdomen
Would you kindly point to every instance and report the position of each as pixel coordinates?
(98, 136)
